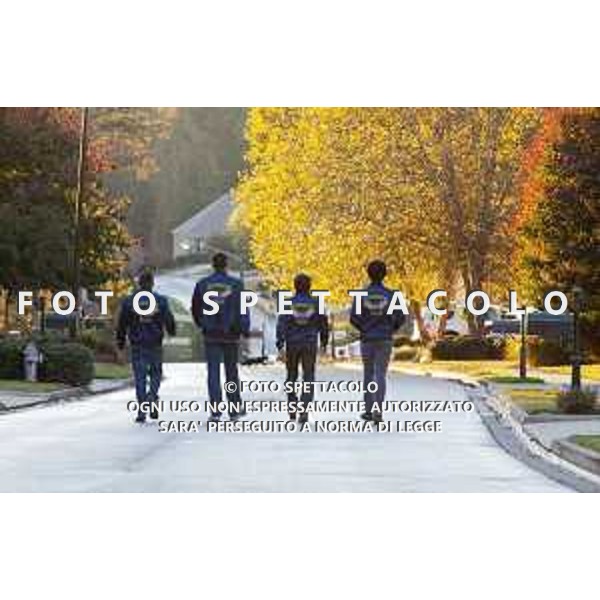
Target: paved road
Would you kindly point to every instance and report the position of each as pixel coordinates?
(92, 445)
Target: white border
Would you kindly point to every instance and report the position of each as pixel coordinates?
(267, 52)
(291, 546)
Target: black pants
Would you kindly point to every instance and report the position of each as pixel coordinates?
(226, 353)
(296, 355)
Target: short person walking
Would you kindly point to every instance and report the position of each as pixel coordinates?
(376, 329)
(222, 330)
(145, 334)
(300, 333)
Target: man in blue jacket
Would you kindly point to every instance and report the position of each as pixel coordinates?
(376, 329)
(300, 333)
(222, 331)
(145, 334)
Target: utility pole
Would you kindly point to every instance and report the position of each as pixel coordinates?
(332, 327)
(577, 358)
(79, 198)
(523, 349)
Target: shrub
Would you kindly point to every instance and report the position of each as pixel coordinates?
(69, 363)
(100, 342)
(548, 353)
(540, 352)
(577, 402)
(11, 358)
(402, 340)
(465, 347)
(406, 353)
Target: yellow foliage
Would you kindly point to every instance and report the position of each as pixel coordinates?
(430, 191)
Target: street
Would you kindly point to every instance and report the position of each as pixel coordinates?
(94, 446)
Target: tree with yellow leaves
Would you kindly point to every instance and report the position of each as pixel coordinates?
(431, 191)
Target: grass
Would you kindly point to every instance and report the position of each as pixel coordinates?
(534, 401)
(18, 385)
(479, 369)
(507, 379)
(588, 372)
(497, 371)
(112, 371)
(591, 442)
(178, 308)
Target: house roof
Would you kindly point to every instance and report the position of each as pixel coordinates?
(211, 220)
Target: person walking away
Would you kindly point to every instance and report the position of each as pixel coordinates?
(300, 333)
(376, 330)
(221, 333)
(145, 339)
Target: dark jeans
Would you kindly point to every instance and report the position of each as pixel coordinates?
(296, 355)
(376, 358)
(226, 353)
(146, 362)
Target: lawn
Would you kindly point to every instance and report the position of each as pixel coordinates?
(588, 372)
(111, 371)
(497, 371)
(534, 401)
(18, 385)
(591, 442)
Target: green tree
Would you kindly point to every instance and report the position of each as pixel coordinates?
(563, 236)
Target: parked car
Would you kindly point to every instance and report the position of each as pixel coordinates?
(539, 323)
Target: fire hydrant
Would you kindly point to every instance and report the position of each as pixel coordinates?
(32, 357)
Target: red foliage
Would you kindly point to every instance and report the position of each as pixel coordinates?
(64, 122)
(531, 175)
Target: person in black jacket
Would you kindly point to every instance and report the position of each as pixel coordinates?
(221, 332)
(300, 334)
(145, 334)
(376, 329)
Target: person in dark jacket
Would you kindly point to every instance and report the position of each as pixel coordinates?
(145, 334)
(301, 333)
(221, 333)
(376, 329)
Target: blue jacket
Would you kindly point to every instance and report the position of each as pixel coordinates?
(374, 324)
(228, 324)
(145, 330)
(305, 325)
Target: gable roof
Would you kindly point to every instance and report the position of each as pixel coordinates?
(211, 220)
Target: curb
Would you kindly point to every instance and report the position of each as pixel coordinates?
(76, 393)
(505, 423)
(586, 459)
(550, 418)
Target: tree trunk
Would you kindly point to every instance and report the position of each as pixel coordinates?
(7, 310)
(416, 311)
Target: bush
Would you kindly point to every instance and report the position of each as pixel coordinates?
(406, 353)
(540, 352)
(11, 358)
(402, 340)
(548, 353)
(101, 343)
(465, 347)
(577, 402)
(69, 363)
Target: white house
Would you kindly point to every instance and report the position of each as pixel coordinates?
(210, 221)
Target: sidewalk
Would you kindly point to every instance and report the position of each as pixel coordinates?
(11, 401)
(552, 433)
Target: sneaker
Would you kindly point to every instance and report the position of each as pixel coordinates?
(303, 418)
(377, 417)
(214, 418)
(367, 416)
(141, 417)
(292, 416)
